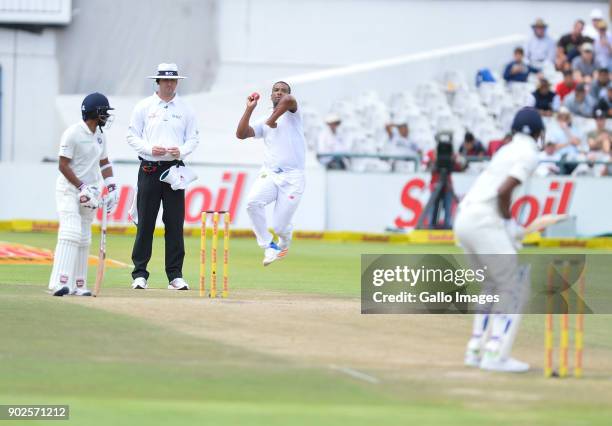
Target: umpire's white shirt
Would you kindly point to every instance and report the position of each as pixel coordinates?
(285, 146)
(85, 150)
(158, 123)
(517, 159)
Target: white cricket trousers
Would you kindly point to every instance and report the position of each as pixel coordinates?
(480, 231)
(73, 238)
(286, 188)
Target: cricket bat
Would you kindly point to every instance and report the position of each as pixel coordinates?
(545, 221)
(102, 253)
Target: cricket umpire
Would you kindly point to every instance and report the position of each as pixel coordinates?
(162, 131)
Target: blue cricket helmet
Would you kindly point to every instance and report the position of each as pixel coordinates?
(528, 120)
(94, 106)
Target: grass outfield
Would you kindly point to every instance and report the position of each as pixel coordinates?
(280, 351)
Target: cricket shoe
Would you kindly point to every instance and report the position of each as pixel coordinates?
(473, 353)
(472, 359)
(506, 365)
(178, 284)
(60, 290)
(81, 291)
(271, 253)
(282, 254)
(283, 244)
(140, 283)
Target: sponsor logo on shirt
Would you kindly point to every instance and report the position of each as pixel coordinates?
(178, 117)
(99, 140)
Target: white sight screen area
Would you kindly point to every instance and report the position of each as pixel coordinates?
(52, 12)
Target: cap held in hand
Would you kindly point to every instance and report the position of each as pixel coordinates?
(178, 177)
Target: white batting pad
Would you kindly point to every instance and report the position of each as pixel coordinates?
(63, 264)
(80, 277)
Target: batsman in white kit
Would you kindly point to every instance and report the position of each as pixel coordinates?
(484, 226)
(281, 178)
(82, 159)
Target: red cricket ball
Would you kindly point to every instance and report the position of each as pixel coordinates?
(255, 96)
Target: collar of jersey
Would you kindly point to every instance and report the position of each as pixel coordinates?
(84, 126)
(160, 101)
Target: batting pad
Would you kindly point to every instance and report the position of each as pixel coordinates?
(63, 264)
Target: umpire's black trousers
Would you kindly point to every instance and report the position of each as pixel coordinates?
(152, 192)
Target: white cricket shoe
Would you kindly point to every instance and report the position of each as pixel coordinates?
(271, 253)
(507, 365)
(283, 245)
(283, 253)
(60, 290)
(178, 284)
(81, 291)
(473, 353)
(472, 359)
(140, 284)
(284, 242)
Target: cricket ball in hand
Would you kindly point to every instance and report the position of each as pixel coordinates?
(255, 96)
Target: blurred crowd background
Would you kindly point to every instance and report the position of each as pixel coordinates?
(567, 78)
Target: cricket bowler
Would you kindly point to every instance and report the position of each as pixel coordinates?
(281, 179)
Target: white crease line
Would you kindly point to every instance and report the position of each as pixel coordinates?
(355, 374)
(113, 261)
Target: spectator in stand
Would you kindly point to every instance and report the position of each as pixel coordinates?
(595, 164)
(548, 160)
(605, 102)
(603, 45)
(591, 29)
(495, 145)
(540, 47)
(569, 139)
(331, 142)
(401, 144)
(584, 65)
(471, 147)
(600, 83)
(600, 139)
(518, 70)
(544, 98)
(569, 44)
(566, 86)
(579, 102)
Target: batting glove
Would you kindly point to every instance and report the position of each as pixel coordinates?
(88, 197)
(113, 196)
